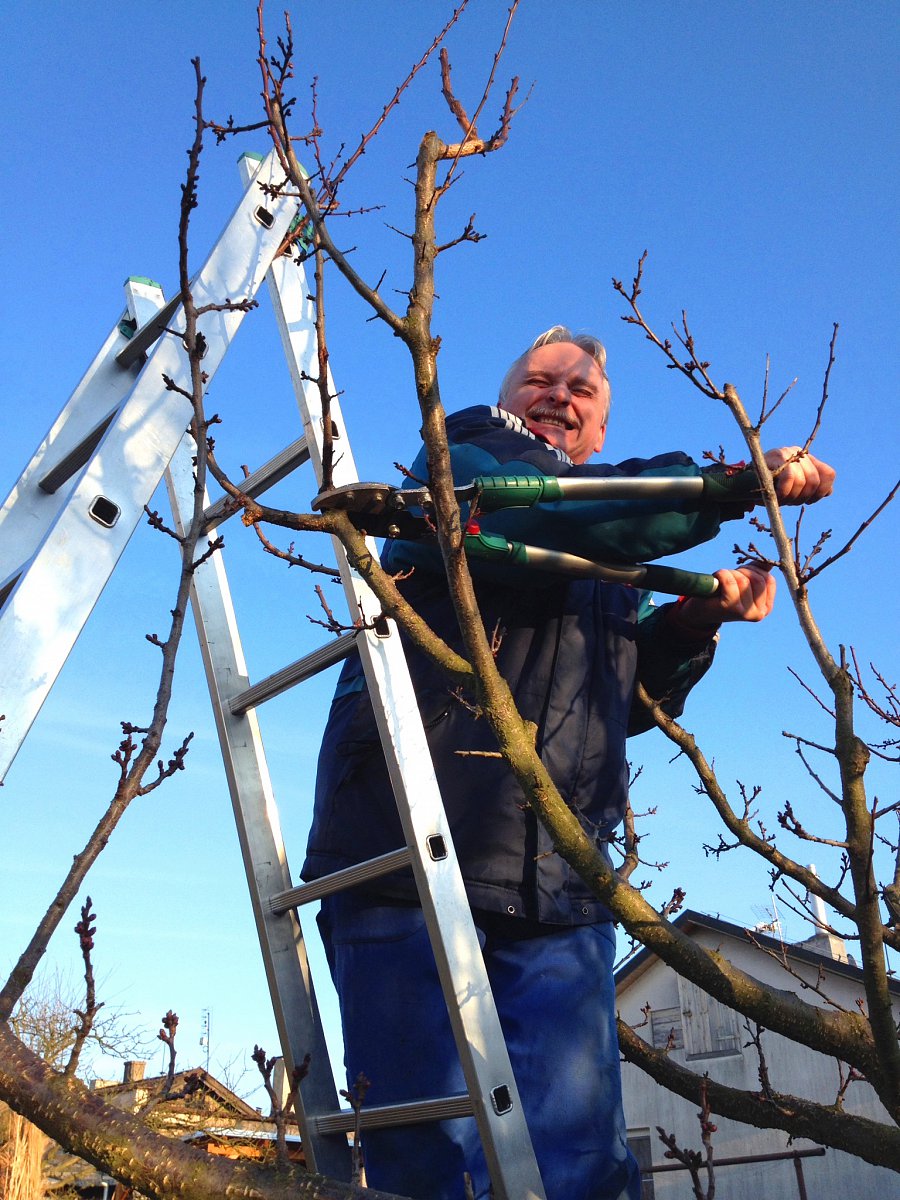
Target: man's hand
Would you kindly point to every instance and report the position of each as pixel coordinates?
(746, 594)
(799, 478)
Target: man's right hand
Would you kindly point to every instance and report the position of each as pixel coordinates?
(799, 478)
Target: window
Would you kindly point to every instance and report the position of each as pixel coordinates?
(640, 1146)
(665, 1025)
(710, 1029)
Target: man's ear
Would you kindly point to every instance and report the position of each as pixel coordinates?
(601, 438)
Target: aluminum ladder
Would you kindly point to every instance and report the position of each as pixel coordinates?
(62, 531)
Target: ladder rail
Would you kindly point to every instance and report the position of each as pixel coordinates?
(473, 1015)
(28, 512)
(259, 833)
(89, 526)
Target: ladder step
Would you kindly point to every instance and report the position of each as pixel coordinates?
(149, 333)
(296, 672)
(77, 457)
(339, 881)
(266, 476)
(389, 1115)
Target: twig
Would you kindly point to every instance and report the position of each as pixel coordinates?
(356, 1097)
(694, 369)
(817, 425)
(470, 127)
(395, 99)
(86, 928)
(755, 1032)
(288, 556)
(788, 821)
(848, 545)
(694, 1160)
(167, 1036)
(280, 1111)
(807, 688)
(155, 521)
(134, 763)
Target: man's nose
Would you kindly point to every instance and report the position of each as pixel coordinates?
(558, 393)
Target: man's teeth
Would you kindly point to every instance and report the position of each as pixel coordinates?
(552, 419)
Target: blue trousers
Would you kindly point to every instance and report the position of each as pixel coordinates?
(556, 1001)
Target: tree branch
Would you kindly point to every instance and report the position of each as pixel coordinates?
(872, 1141)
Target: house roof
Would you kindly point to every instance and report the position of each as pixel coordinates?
(690, 921)
(208, 1083)
(241, 1132)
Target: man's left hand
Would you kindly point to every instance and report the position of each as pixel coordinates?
(745, 594)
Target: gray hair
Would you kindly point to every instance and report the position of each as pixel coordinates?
(560, 333)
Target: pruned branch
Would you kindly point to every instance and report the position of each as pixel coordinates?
(471, 143)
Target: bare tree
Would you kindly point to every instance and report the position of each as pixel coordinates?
(865, 1040)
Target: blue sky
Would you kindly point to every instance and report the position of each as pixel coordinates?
(751, 149)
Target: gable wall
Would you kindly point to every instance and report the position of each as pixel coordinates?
(792, 1068)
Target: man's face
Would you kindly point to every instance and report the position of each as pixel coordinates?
(561, 395)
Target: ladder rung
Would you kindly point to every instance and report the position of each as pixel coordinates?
(296, 672)
(339, 881)
(76, 458)
(389, 1115)
(148, 334)
(264, 477)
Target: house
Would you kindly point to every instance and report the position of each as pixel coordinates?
(196, 1101)
(198, 1109)
(706, 1036)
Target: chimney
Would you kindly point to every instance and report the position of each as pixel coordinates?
(134, 1071)
(823, 941)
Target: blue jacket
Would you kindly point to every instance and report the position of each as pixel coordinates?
(571, 652)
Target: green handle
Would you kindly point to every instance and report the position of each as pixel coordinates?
(493, 548)
(515, 491)
(676, 582)
(718, 486)
(730, 485)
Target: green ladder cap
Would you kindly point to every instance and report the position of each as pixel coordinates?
(259, 158)
(144, 279)
(302, 219)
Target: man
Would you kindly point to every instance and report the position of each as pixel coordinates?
(571, 651)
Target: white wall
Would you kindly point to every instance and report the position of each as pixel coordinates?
(792, 1069)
